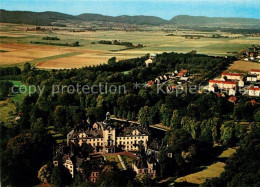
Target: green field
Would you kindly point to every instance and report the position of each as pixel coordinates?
(17, 98)
(154, 42)
(8, 107)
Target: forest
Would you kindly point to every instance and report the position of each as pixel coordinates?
(196, 121)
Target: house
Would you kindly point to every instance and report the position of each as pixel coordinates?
(252, 91)
(255, 71)
(241, 83)
(232, 76)
(104, 137)
(183, 80)
(232, 99)
(251, 78)
(153, 56)
(253, 102)
(150, 83)
(232, 92)
(94, 176)
(148, 61)
(219, 84)
(145, 163)
(74, 163)
(183, 73)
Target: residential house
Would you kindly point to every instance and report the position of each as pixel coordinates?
(231, 76)
(219, 84)
(255, 71)
(145, 163)
(252, 91)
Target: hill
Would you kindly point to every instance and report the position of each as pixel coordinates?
(139, 20)
(33, 18)
(213, 21)
(46, 18)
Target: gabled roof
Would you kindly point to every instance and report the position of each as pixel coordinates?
(223, 82)
(150, 83)
(255, 70)
(232, 74)
(252, 88)
(232, 99)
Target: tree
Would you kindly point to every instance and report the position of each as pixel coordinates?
(60, 176)
(257, 116)
(27, 67)
(242, 169)
(175, 119)
(144, 116)
(44, 174)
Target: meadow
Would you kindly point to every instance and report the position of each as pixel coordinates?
(16, 47)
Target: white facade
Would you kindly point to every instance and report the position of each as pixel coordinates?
(255, 72)
(221, 84)
(232, 76)
(254, 92)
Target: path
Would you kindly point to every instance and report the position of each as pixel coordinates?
(121, 161)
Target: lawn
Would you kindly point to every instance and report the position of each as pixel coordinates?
(114, 158)
(200, 177)
(227, 153)
(19, 97)
(127, 160)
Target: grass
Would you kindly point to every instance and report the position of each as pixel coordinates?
(114, 158)
(127, 160)
(212, 171)
(125, 72)
(200, 177)
(227, 153)
(19, 97)
(6, 107)
(34, 62)
(57, 136)
(243, 66)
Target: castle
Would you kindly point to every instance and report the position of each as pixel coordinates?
(106, 137)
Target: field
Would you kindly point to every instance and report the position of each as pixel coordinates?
(243, 66)
(211, 171)
(16, 47)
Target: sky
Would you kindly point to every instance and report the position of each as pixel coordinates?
(165, 9)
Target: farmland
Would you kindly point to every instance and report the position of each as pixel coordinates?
(16, 47)
(243, 66)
